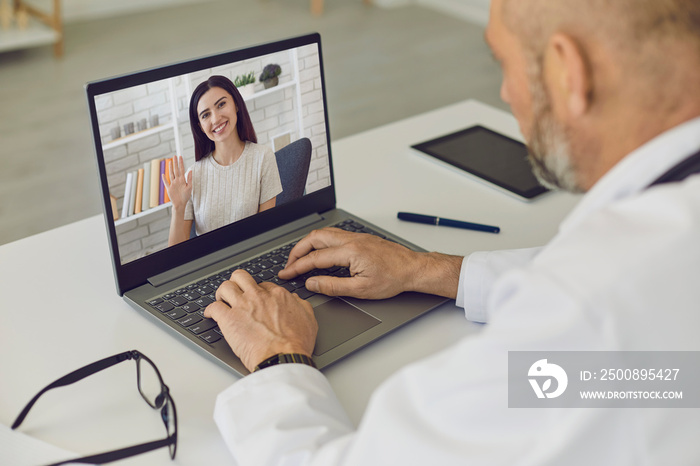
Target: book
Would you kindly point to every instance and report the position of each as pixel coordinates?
(127, 194)
(162, 186)
(115, 211)
(139, 191)
(155, 182)
(146, 201)
(132, 197)
(168, 164)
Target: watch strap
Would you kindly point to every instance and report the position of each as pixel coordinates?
(285, 358)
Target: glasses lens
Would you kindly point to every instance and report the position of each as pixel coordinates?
(170, 421)
(150, 384)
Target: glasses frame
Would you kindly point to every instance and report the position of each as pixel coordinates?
(163, 401)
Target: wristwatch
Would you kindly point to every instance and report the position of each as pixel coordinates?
(285, 358)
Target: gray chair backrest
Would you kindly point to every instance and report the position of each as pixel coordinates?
(293, 162)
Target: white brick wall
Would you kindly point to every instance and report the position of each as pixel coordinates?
(144, 235)
(273, 114)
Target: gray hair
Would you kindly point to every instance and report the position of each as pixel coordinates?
(655, 42)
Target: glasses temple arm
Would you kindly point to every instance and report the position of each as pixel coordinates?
(115, 455)
(73, 377)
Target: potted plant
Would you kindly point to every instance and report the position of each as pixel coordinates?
(245, 84)
(269, 76)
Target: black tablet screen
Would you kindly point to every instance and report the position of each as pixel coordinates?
(494, 157)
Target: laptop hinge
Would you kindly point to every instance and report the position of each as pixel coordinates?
(238, 248)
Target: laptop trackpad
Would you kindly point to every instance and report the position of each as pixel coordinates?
(338, 322)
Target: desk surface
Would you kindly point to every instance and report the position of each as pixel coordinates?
(60, 309)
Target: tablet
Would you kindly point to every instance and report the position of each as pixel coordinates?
(491, 156)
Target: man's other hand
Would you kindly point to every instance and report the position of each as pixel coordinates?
(379, 268)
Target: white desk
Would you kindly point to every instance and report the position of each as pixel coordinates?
(60, 310)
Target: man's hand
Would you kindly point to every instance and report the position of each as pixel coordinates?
(259, 321)
(379, 269)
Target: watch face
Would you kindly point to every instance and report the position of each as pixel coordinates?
(271, 361)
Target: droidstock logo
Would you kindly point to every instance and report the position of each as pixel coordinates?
(545, 372)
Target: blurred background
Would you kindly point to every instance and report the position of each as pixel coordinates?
(384, 60)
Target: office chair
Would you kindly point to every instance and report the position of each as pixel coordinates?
(293, 162)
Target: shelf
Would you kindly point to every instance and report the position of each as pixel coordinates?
(145, 213)
(136, 136)
(270, 90)
(43, 27)
(36, 34)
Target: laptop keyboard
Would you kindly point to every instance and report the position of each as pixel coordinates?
(186, 305)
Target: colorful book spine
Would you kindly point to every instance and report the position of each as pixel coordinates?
(139, 192)
(132, 197)
(168, 164)
(161, 197)
(146, 201)
(127, 195)
(155, 182)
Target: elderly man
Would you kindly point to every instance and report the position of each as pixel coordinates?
(607, 94)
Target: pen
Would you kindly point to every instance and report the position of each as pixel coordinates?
(446, 222)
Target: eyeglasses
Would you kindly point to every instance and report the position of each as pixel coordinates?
(151, 388)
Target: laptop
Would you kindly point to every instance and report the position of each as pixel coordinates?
(141, 120)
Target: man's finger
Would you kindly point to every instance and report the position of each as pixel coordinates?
(268, 286)
(228, 292)
(332, 286)
(215, 310)
(316, 240)
(244, 280)
(317, 259)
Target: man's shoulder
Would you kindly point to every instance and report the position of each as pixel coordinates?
(651, 213)
(629, 236)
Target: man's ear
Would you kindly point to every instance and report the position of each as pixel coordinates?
(567, 73)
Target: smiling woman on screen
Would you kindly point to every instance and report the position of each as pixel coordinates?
(233, 177)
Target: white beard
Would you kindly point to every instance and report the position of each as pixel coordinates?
(549, 146)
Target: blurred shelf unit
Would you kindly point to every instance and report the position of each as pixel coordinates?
(34, 27)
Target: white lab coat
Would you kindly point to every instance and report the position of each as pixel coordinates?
(623, 273)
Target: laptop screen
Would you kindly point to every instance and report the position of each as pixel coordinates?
(280, 176)
(267, 101)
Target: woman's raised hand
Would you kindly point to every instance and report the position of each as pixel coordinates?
(180, 187)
